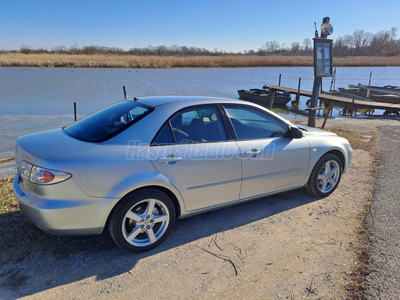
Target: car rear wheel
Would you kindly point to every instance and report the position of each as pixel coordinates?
(142, 220)
(325, 176)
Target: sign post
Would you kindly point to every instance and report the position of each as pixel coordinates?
(323, 65)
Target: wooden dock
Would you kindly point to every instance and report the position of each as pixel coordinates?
(357, 104)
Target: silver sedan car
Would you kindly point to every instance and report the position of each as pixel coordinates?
(138, 165)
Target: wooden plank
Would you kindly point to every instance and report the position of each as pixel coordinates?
(344, 100)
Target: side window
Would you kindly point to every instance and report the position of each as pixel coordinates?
(196, 125)
(250, 123)
(165, 136)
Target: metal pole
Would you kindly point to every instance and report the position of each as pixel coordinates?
(75, 111)
(280, 76)
(334, 79)
(314, 101)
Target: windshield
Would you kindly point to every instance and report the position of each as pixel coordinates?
(108, 122)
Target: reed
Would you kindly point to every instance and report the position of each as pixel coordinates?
(130, 61)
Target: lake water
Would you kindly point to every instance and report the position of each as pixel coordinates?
(33, 99)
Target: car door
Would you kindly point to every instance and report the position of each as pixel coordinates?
(271, 161)
(192, 152)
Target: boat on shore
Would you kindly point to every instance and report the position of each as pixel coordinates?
(264, 96)
(387, 94)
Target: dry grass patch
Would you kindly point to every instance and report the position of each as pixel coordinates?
(4, 160)
(131, 61)
(7, 199)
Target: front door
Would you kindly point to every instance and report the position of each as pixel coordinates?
(271, 161)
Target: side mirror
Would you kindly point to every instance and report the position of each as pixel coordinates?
(295, 133)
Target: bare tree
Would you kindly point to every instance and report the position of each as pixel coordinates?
(26, 49)
(59, 49)
(360, 41)
(271, 47)
(306, 45)
(295, 48)
(382, 42)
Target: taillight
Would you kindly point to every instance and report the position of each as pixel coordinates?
(40, 175)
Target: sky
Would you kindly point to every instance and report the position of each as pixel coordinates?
(229, 25)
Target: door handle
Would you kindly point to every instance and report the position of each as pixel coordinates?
(169, 158)
(252, 152)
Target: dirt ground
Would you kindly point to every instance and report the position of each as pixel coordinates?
(288, 246)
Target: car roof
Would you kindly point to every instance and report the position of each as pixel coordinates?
(155, 101)
(179, 101)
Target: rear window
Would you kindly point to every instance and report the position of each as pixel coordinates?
(108, 122)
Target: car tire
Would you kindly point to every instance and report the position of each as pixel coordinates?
(142, 220)
(325, 176)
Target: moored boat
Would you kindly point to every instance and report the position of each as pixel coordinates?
(265, 96)
(388, 94)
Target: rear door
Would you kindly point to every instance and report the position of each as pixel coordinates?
(193, 153)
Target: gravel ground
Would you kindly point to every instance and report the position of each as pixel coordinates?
(384, 221)
(288, 246)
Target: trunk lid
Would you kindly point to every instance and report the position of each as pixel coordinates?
(33, 146)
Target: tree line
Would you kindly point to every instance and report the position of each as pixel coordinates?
(360, 43)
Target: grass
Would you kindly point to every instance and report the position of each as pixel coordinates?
(4, 160)
(7, 200)
(131, 61)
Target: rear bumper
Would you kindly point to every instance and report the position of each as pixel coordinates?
(80, 215)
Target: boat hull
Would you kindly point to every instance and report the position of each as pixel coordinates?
(264, 96)
(379, 94)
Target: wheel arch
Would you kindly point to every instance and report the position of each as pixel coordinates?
(169, 193)
(339, 154)
(314, 160)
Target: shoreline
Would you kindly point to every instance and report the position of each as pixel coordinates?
(165, 62)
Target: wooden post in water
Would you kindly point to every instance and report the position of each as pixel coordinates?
(298, 92)
(369, 84)
(272, 100)
(280, 76)
(75, 111)
(124, 92)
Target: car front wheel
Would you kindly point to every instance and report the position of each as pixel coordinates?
(142, 220)
(325, 176)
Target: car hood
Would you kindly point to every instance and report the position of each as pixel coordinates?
(311, 131)
(45, 143)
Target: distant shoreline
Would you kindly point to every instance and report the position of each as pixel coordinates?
(165, 62)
